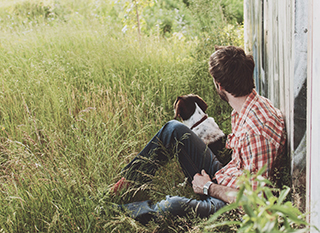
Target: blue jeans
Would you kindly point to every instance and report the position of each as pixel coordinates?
(174, 139)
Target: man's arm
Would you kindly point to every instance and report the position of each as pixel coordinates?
(215, 190)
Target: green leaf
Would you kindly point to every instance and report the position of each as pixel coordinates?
(249, 211)
(289, 212)
(246, 228)
(268, 193)
(224, 223)
(293, 209)
(283, 195)
(272, 200)
(286, 224)
(261, 202)
(224, 209)
(270, 227)
(262, 170)
(240, 194)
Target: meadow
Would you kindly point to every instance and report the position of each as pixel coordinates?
(79, 98)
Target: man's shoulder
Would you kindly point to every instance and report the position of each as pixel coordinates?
(265, 120)
(264, 112)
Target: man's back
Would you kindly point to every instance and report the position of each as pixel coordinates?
(258, 136)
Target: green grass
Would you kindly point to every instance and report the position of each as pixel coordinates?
(78, 100)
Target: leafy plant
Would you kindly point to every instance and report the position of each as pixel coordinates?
(132, 16)
(263, 211)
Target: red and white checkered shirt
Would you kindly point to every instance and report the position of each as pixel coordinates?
(258, 136)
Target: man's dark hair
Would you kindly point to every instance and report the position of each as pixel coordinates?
(232, 69)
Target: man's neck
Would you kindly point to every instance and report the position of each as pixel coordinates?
(237, 102)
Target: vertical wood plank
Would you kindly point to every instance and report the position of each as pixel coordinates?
(313, 116)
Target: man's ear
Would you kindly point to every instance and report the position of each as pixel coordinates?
(219, 86)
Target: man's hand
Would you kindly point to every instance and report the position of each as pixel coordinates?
(215, 190)
(199, 180)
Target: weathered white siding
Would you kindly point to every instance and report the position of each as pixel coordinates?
(283, 36)
(313, 136)
(270, 35)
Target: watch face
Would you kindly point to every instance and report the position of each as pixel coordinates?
(206, 188)
(205, 191)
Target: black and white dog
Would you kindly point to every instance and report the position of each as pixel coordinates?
(191, 109)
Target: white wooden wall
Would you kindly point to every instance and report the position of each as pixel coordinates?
(313, 126)
(269, 37)
(284, 38)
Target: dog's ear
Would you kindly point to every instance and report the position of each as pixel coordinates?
(176, 115)
(201, 103)
(175, 107)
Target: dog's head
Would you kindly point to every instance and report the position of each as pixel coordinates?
(184, 106)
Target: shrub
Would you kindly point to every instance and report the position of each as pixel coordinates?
(262, 210)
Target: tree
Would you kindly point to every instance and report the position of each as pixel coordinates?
(133, 16)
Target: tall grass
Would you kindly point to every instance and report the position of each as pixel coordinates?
(77, 101)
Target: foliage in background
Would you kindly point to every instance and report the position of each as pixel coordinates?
(188, 17)
(157, 17)
(79, 97)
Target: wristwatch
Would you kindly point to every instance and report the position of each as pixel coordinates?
(206, 188)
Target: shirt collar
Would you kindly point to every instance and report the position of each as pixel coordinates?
(250, 101)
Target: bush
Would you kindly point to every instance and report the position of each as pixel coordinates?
(262, 210)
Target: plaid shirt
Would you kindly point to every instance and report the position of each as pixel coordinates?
(258, 136)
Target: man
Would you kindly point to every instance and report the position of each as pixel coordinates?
(257, 138)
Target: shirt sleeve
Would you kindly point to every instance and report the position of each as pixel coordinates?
(250, 152)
